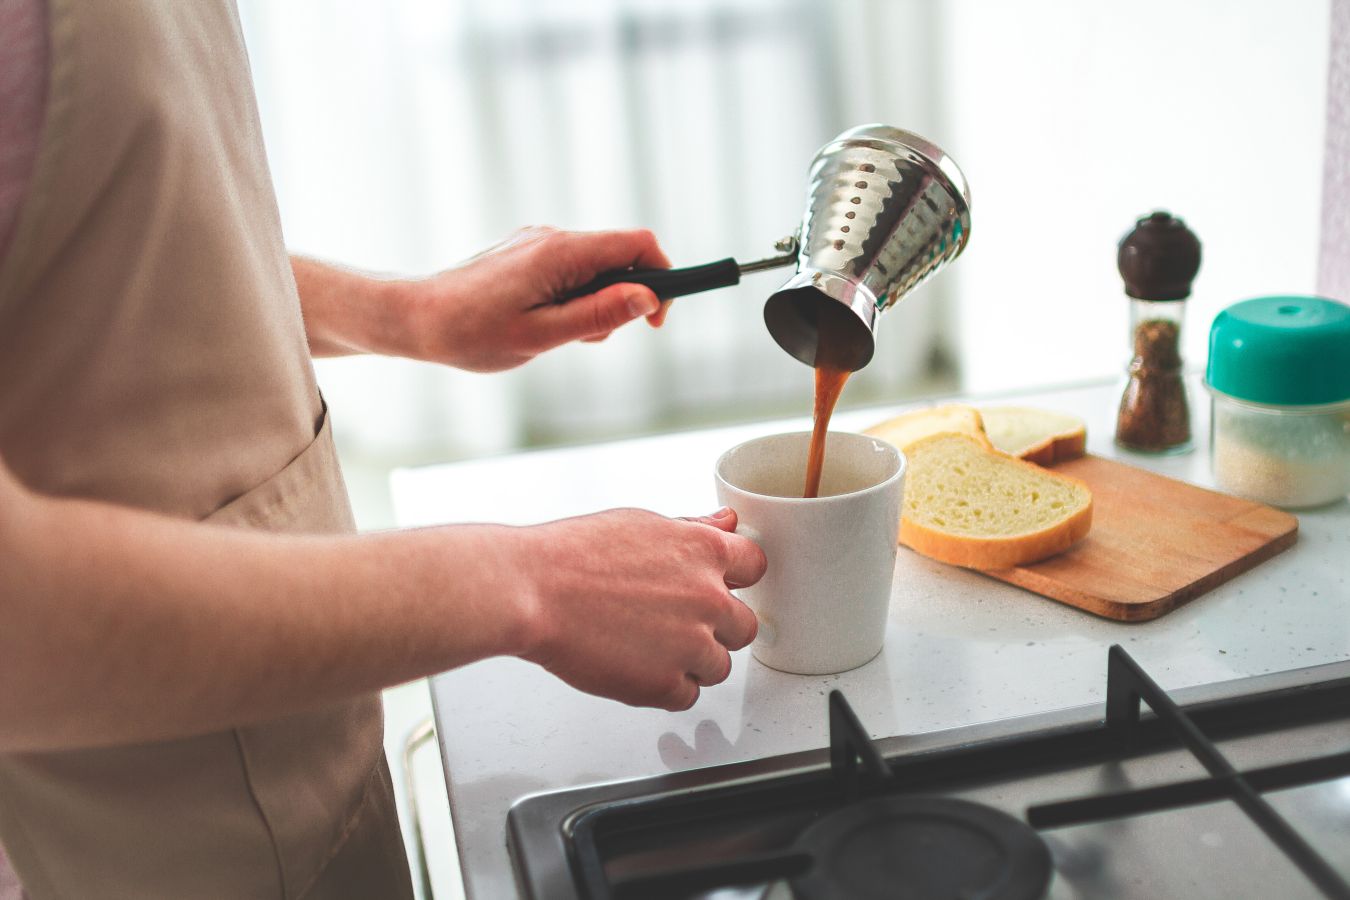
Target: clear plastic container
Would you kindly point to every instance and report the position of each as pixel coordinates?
(1279, 384)
(1287, 456)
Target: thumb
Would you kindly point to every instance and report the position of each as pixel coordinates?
(598, 313)
(724, 519)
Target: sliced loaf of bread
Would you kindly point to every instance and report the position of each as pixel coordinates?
(971, 506)
(1036, 435)
(918, 424)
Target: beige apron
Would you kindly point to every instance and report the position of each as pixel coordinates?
(152, 354)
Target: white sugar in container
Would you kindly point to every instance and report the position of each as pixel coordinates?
(1279, 383)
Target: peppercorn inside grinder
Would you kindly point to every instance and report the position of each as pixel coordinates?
(1157, 260)
(885, 209)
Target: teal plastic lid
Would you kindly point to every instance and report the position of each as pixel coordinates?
(1285, 351)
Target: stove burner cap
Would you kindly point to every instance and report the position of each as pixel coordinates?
(925, 848)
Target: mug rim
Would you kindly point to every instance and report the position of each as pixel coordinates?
(899, 473)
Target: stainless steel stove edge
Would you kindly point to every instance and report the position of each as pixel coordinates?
(540, 822)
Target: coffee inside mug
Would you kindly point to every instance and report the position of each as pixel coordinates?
(775, 466)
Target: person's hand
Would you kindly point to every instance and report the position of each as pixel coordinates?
(636, 607)
(497, 310)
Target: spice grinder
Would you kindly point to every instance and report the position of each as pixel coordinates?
(885, 209)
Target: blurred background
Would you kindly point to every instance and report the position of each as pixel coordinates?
(407, 135)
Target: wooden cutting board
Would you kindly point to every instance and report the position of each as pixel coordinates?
(1155, 543)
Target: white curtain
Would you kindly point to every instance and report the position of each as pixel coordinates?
(404, 136)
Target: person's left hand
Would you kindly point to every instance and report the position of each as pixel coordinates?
(497, 311)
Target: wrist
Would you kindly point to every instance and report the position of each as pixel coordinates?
(460, 593)
(526, 621)
(421, 316)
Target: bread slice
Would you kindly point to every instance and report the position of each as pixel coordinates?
(913, 426)
(971, 506)
(1036, 435)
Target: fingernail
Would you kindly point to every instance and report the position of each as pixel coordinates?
(722, 513)
(642, 304)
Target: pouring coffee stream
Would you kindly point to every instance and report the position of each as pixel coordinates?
(831, 375)
(885, 210)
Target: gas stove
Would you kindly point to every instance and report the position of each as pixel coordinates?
(1236, 789)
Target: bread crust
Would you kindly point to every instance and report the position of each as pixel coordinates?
(997, 552)
(1057, 448)
(1043, 454)
(1070, 446)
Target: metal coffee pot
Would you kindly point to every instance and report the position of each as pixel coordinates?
(885, 209)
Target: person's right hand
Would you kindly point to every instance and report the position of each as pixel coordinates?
(637, 607)
(499, 310)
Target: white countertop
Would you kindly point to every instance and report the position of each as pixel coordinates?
(960, 648)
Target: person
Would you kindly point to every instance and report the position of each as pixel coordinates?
(191, 635)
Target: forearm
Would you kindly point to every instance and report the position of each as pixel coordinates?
(119, 625)
(347, 312)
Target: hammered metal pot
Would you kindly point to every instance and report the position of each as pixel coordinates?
(885, 209)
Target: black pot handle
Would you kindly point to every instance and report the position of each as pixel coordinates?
(665, 283)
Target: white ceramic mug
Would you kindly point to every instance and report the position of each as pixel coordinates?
(823, 601)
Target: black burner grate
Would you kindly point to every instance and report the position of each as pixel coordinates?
(1126, 685)
(605, 839)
